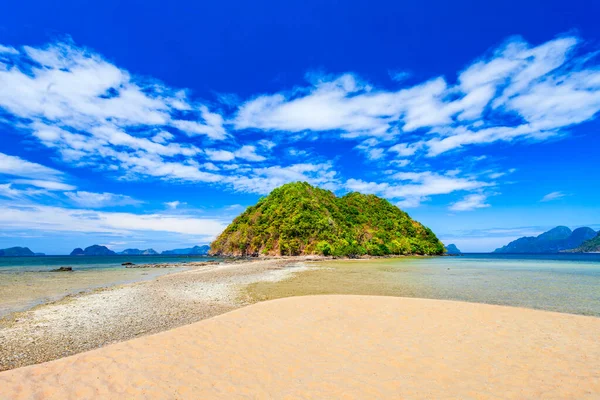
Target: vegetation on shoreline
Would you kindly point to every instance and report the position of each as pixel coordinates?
(299, 219)
(589, 246)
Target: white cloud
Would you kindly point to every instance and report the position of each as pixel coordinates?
(100, 200)
(263, 180)
(7, 190)
(416, 187)
(247, 153)
(211, 127)
(400, 163)
(46, 218)
(48, 185)
(552, 196)
(8, 50)
(404, 149)
(173, 204)
(93, 114)
(267, 144)
(219, 155)
(16, 166)
(370, 149)
(470, 202)
(549, 87)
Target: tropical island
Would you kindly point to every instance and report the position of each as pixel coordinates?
(99, 250)
(556, 240)
(300, 219)
(18, 252)
(589, 246)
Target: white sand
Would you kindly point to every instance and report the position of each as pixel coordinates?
(342, 347)
(92, 320)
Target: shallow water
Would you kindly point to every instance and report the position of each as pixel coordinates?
(565, 283)
(28, 281)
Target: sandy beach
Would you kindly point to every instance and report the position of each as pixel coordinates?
(90, 320)
(352, 347)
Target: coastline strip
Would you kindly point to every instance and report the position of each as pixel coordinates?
(338, 347)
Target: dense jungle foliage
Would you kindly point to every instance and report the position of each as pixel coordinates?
(299, 219)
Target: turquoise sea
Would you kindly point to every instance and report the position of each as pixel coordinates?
(567, 283)
(29, 281)
(557, 282)
(46, 263)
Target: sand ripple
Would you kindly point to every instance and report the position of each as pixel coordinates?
(342, 347)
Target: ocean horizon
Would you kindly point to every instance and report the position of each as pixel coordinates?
(564, 282)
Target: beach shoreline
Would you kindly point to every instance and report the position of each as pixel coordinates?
(338, 346)
(92, 319)
(101, 317)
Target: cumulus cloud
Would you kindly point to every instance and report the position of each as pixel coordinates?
(549, 88)
(94, 114)
(8, 50)
(47, 218)
(470, 202)
(16, 166)
(100, 200)
(263, 180)
(9, 191)
(415, 187)
(48, 185)
(173, 204)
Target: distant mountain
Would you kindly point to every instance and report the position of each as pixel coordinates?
(196, 251)
(18, 252)
(452, 249)
(555, 240)
(589, 246)
(78, 252)
(95, 250)
(138, 252)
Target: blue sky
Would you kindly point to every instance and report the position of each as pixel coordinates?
(149, 124)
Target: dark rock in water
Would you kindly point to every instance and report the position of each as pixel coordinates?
(63, 269)
(128, 263)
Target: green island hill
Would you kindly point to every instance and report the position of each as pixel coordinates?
(300, 219)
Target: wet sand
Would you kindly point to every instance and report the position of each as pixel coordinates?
(351, 347)
(90, 320)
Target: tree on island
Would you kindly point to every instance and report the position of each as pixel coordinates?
(299, 219)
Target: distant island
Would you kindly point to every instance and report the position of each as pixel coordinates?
(300, 219)
(452, 249)
(196, 251)
(589, 246)
(95, 250)
(556, 240)
(98, 250)
(18, 252)
(138, 252)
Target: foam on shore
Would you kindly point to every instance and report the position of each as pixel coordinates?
(338, 347)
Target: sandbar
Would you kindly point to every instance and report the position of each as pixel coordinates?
(338, 346)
